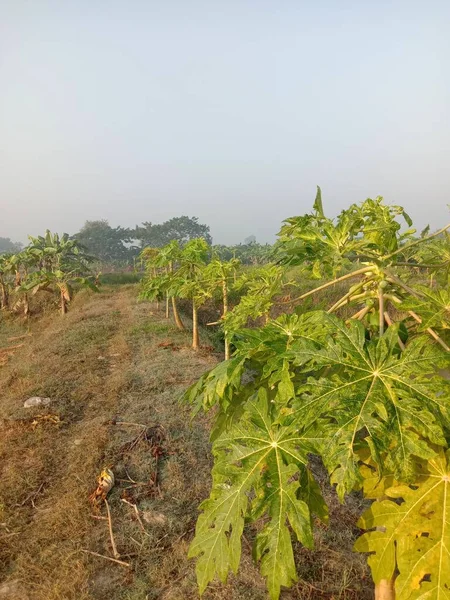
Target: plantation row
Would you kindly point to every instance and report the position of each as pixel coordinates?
(355, 381)
(49, 263)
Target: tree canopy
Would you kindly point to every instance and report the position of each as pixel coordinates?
(6, 245)
(106, 243)
(182, 229)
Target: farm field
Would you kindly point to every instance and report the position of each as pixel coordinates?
(113, 359)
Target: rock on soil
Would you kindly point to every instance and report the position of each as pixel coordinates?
(36, 401)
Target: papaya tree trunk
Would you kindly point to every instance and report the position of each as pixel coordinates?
(225, 311)
(167, 306)
(385, 589)
(195, 337)
(63, 303)
(176, 315)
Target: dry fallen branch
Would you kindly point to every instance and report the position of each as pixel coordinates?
(115, 560)
(136, 511)
(11, 348)
(113, 543)
(18, 337)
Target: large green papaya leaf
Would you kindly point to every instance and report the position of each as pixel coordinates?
(260, 466)
(377, 397)
(410, 533)
(265, 357)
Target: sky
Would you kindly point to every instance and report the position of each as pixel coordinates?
(232, 111)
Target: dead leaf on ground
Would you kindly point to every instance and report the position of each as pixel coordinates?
(154, 518)
(169, 346)
(105, 482)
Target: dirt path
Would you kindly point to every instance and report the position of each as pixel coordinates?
(111, 361)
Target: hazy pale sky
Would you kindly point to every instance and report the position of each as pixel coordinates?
(228, 110)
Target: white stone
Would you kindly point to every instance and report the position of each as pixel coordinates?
(36, 401)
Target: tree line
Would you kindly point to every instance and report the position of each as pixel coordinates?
(121, 246)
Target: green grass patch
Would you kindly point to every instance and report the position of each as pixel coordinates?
(120, 278)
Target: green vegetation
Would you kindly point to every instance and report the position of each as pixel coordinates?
(50, 263)
(363, 393)
(332, 389)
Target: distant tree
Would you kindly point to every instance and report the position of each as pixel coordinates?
(181, 229)
(249, 254)
(106, 243)
(251, 239)
(6, 245)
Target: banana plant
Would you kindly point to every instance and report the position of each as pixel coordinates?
(23, 263)
(6, 268)
(61, 264)
(63, 282)
(357, 384)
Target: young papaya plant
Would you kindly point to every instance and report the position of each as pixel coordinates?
(189, 281)
(221, 274)
(363, 392)
(262, 286)
(161, 271)
(179, 276)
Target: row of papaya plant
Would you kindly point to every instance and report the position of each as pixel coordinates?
(50, 263)
(358, 383)
(187, 272)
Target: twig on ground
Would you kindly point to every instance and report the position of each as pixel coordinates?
(31, 496)
(18, 337)
(113, 543)
(115, 560)
(10, 348)
(129, 423)
(135, 508)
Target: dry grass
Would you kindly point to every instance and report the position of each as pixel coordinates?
(108, 361)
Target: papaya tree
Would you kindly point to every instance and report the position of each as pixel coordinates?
(161, 268)
(221, 274)
(189, 280)
(358, 384)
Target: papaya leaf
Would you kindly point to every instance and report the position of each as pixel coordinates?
(393, 404)
(318, 203)
(258, 473)
(433, 307)
(410, 532)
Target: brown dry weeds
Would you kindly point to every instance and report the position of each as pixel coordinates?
(110, 360)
